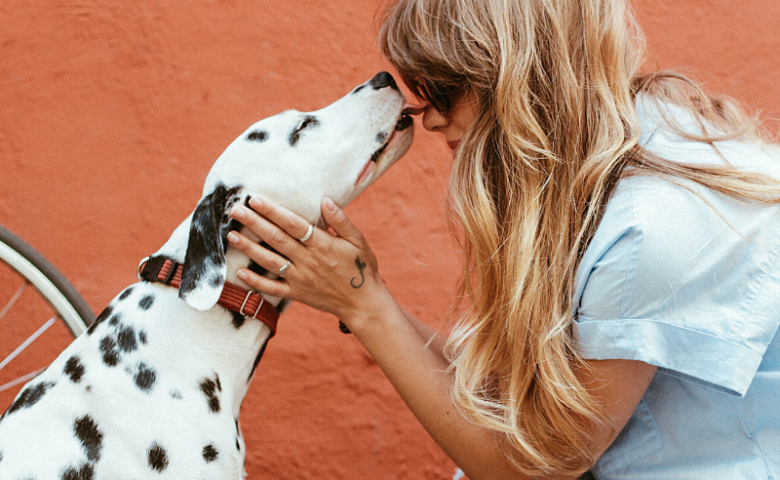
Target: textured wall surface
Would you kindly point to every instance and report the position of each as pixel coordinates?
(111, 114)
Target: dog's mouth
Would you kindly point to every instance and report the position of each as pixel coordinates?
(404, 121)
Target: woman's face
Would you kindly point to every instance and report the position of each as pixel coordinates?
(451, 124)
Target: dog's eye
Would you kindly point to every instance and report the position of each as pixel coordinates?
(308, 121)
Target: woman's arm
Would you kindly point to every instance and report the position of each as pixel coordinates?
(437, 339)
(339, 274)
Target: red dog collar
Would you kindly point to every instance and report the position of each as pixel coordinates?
(247, 303)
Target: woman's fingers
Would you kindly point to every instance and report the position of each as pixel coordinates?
(295, 226)
(338, 221)
(263, 284)
(277, 238)
(267, 259)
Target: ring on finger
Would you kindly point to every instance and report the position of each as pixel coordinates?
(308, 234)
(284, 267)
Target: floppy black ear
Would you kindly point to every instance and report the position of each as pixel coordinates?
(203, 274)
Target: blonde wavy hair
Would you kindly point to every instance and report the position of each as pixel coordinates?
(556, 126)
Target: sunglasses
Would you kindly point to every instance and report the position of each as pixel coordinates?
(442, 98)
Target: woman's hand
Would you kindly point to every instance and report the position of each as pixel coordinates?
(334, 273)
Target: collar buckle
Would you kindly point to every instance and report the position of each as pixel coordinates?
(257, 310)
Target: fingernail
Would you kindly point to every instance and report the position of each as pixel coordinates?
(238, 213)
(255, 203)
(330, 205)
(232, 238)
(242, 275)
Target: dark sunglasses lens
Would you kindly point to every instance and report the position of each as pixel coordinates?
(440, 97)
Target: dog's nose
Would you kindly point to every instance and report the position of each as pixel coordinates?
(382, 80)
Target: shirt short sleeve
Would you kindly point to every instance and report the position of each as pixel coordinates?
(684, 278)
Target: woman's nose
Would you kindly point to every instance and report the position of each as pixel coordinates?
(433, 120)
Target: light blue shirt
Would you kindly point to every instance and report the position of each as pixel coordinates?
(667, 281)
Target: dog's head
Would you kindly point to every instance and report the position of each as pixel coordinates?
(295, 159)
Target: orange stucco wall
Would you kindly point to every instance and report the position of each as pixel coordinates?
(111, 114)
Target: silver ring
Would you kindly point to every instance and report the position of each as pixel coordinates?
(308, 234)
(285, 267)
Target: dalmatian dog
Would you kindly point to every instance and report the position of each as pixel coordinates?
(153, 389)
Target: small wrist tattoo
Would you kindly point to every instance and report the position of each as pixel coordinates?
(360, 266)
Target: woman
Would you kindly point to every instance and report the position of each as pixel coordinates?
(622, 249)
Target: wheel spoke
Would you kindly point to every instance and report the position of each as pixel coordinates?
(13, 300)
(21, 379)
(27, 342)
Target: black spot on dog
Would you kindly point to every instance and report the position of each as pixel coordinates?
(358, 89)
(1, 456)
(30, 396)
(158, 458)
(142, 337)
(219, 385)
(86, 472)
(145, 377)
(210, 453)
(88, 388)
(74, 369)
(146, 302)
(381, 137)
(110, 352)
(256, 268)
(114, 320)
(217, 281)
(257, 360)
(100, 319)
(258, 136)
(176, 395)
(209, 388)
(238, 320)
(238, 445)
(282, 305)
(90, 437)
(126, 293)
(295, 135)
(126, 339)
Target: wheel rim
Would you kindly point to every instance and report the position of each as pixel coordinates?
(46, 288)
(24, 349)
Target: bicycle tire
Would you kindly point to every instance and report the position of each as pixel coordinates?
(47, 280)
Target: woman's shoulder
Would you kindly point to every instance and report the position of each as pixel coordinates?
(660, 239)
(672, 219)
(666, 130)
(680, 276)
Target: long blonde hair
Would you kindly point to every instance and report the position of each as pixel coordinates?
(556, 125)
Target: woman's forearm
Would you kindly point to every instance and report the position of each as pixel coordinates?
(435, 339)
(397, 342)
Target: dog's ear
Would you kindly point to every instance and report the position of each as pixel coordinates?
(203, 275)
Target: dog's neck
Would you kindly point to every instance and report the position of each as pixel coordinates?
(176, 249)
(219, 335)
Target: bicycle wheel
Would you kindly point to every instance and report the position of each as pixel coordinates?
(24, 313)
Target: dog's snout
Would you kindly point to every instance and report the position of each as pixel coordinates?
(382, 80)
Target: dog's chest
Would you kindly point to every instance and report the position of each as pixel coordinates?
(147, 392)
